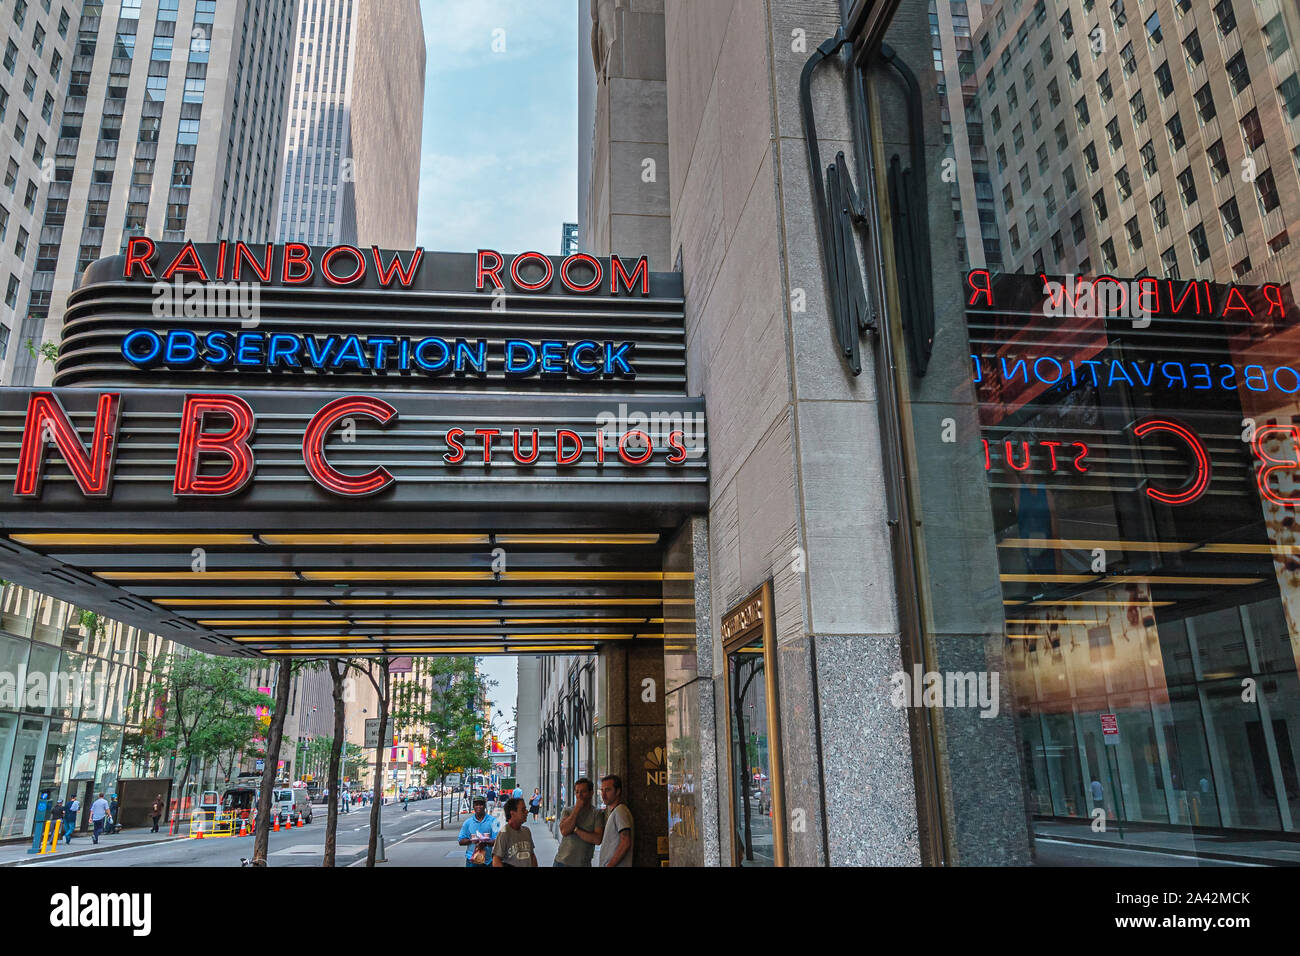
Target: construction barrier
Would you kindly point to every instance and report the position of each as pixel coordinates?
(213, 823)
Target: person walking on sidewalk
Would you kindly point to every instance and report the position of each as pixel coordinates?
(478, 834)
(616, 836)
(155, 811)
(535, 803)
(580, 828)
(514, 847)
(70, 817)
(98, 813)
(492, 798)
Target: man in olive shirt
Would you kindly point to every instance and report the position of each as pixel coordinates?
(514, 846)
(615, 835)
(579, 829)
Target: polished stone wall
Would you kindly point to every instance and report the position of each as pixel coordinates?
(689, 702)
(981, 780)
(630, 740)
(796, 494)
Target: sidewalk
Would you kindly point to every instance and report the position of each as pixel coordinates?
(434, 847)
(1239, 848)
(13, 854)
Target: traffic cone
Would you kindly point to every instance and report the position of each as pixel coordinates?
(275, 824)
(199, 835)
(243, 828)
(300, 823)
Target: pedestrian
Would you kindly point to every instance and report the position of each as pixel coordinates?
(478, 834)
(518, 793)
(406, 796)
(535, 804)
(70, 817)
(56, 812)
(113, 808)
(616, 834)
(514, 847)
(492, 796)
(155, 811)
(579, 828)
(98, 813)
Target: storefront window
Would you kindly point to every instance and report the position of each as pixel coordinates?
(1104, 453)
(23, 777)
(13, 673)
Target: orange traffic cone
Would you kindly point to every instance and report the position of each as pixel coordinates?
(243, 828)
(300, 823)
(199, 835)
(275, 824)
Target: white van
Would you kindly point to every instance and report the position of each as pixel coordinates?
(291, 804)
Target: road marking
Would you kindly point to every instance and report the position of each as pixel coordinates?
(121, 849)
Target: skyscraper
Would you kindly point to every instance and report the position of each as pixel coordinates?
(352, 153)
(1164, 143)
(170, 126)
(37, 56)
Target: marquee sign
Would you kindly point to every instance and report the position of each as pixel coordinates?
(237, 435)
(349, 446)
(182, 314)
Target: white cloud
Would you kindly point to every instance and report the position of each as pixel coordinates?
(512, 202)
(498, 167)
(459, 34)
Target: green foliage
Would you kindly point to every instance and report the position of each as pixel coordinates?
(355, 761)
(318, 751)
(210, 710)
(46, 350)
(92, 622)
(443, 715)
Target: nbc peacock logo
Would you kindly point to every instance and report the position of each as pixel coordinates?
(656, 775)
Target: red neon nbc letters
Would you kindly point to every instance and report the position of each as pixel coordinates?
(232, 443)
(47, 419)
(1270, 464)
(313, 446)
(1200, 481)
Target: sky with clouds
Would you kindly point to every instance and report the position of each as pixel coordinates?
(498, 168)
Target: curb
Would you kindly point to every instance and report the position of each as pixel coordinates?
(65, 854)
(1215, 855)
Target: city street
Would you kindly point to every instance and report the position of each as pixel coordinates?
(412, 838)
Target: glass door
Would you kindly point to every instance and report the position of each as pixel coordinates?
(21, 784)
(754, 742)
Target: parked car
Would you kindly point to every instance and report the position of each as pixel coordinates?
(291, 805)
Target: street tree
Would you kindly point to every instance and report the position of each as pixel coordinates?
(446, 713)
(377, 673)
(274, 736)
(201, 707)
(338, 671)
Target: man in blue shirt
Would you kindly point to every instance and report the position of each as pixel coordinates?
(480, 830)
